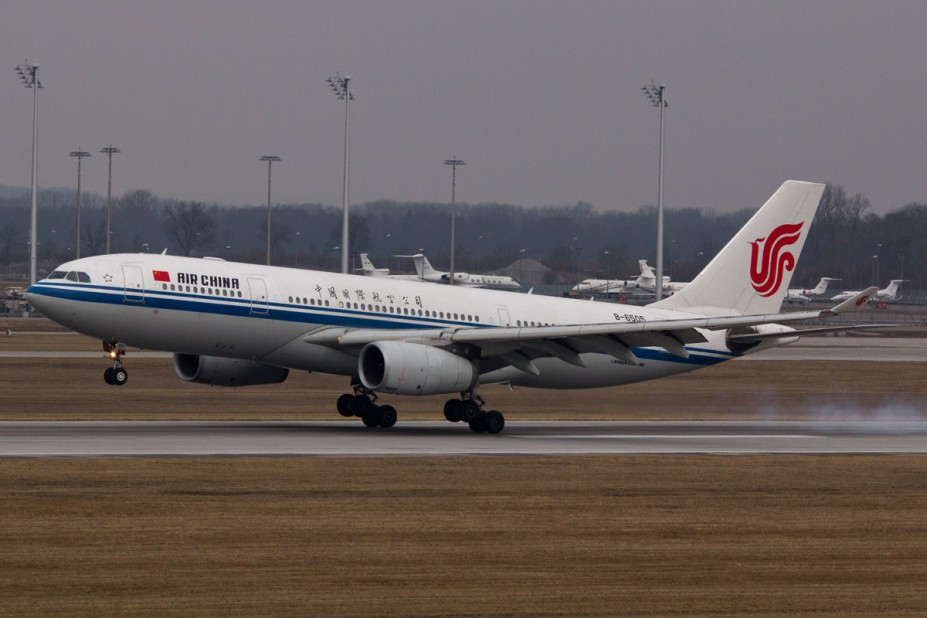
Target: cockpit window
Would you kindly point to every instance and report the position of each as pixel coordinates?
(70, 276)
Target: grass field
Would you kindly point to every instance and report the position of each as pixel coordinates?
(481, 536)
(641, 536)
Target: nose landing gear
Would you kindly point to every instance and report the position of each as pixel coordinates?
(115, 375)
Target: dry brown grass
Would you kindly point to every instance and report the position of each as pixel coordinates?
(757, 536)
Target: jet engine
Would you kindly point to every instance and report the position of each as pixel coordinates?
(414, 369)
(218, 371)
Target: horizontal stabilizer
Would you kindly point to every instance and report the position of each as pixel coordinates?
(857, 302)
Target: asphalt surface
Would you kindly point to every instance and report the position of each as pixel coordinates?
(230, 439)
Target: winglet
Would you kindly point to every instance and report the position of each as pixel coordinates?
(856, 303)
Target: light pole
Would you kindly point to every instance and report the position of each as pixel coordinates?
(341, 86)
(655, 93)
(453, 163)
(271, 159)
(608, 269)
(28, 74)
(80, 154)
(521, 266)
(109, 151)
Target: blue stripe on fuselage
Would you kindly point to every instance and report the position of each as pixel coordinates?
(326, 316)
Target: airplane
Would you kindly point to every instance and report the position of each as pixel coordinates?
(370, 270)
(427, 272)
(802, 296)
(647, 280)
(235, 324)
(889, 292)
(604, 286)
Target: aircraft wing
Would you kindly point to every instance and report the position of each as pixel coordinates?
(518, 345)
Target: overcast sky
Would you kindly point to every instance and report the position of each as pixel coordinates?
(541, 98)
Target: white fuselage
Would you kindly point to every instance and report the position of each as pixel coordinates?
(284, 316)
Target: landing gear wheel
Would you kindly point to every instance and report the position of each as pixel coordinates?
(388, 416)
(344, 405)
(469, 411)
(120, 376)
(452, 410)
(493, 421)
(478, 425)
(108, 375)
(372, 416)
(360, 405)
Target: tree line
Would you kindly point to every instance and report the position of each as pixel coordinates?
(847, 240)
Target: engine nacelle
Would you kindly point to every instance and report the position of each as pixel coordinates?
(219, 371)
(414, 369)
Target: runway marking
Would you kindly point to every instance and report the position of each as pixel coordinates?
(661, 436)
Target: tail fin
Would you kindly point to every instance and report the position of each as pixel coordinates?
(427, 268)
(422, 265)
(752, 272)
(821, 287)
(366, 263)
(891, 292)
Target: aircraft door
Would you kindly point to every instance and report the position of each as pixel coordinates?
(504, 319)
(258, 290)
(134, 284)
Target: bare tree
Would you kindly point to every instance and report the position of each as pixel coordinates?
(189, 224)
(9, 238)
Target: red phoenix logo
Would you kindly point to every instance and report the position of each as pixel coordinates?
(766, 270)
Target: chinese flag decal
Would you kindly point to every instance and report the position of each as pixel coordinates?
(161, 275)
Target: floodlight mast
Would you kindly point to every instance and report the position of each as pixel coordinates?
(271, 159)
(655, 94)
(341, 86)
(80, 154)
(109, 151)
(453, 163)
(28, 74)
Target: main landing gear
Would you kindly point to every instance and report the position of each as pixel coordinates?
(361, 404)
(115, 375)
(469, 409)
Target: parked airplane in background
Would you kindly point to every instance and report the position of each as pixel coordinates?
(887, 293)
(648, 278)
(800, 295)
(604, 286)
(236, 324)
(426, 272)
(370, 270)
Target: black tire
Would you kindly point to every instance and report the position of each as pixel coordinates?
(494, 421)
(360, 405)
(120, 376)
(479, 424)
(388, 416)
(371, 417)
(108, 375)
(344, 405)
(452, 410)
(469, 411)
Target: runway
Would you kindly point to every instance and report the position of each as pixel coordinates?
(243, 439)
